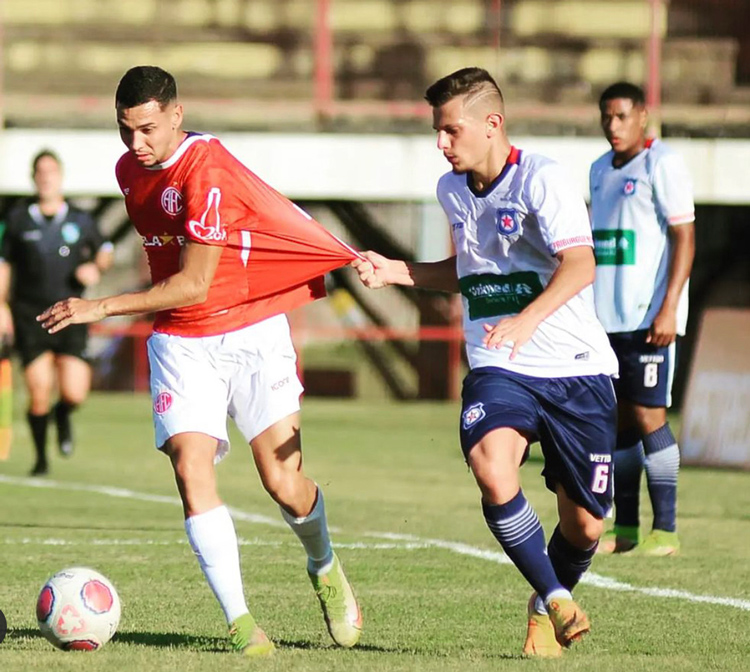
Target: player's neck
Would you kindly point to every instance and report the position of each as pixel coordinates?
(49, 207)
(487, 172)
(621, 158)
(179, 138)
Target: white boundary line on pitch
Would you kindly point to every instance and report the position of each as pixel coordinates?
(406, 541)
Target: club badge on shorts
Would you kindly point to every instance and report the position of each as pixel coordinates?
(473, 414)
(162, 403)
(507, 221)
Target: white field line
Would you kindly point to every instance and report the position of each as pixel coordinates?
(397, 541)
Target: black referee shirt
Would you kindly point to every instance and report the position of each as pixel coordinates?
(45, 251)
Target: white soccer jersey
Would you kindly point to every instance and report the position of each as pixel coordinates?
(631, 209)
(506, 240)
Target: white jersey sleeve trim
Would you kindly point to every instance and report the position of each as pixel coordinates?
(687, 218)
(575, 241)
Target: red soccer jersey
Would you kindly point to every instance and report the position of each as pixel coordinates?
(275, 255)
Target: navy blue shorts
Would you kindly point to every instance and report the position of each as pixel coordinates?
(574, 419)
(646, 371)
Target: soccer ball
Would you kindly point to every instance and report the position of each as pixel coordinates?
(78, 609)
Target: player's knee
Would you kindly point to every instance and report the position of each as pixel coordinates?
(284, 487)
(588, 532)
(194, 476)
(583, 532)
(74, 398)
(39, 405)
(648, 419)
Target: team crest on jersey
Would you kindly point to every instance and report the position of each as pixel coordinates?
(70, 233)
(473, 414)
(171, 201)
(507, 221)
(629, 187)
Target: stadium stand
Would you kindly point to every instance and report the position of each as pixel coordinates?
(249, 64)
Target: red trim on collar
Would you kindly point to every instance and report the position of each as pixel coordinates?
(513, 156)
(649, 142)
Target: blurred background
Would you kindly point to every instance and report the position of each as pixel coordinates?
(323, 99)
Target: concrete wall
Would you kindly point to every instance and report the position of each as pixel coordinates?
(366, 168)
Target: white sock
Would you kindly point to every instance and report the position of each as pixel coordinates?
(312, 531)
(559, 593)
(214, 542)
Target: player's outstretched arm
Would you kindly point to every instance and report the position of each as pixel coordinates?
(376, 271)
(575, 272)
(188, 287)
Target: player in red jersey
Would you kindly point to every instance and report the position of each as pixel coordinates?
(228, 256)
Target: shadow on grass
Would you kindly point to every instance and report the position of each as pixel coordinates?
(170, 640)
(373, 648)
(206, 644)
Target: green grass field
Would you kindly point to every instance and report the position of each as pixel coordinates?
(435, 590)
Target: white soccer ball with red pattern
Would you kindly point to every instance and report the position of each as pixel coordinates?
(78, 609)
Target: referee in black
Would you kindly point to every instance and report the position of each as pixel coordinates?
(49, 250)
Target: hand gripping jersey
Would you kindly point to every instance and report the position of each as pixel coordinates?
(274, 257)
(631, 209)
(506, 239)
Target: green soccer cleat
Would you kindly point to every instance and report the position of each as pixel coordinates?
(659, 543)
(620, 539)
(246, 637)
(540, 635)
(568, 619)
(340, 609)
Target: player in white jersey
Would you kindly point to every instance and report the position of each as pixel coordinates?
(642, 214)
(540, 361)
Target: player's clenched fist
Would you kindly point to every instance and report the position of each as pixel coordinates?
(373, 269)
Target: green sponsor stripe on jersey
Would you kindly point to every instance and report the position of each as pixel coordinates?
(491, 295)
(615, 247)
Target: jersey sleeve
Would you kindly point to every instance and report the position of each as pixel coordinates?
(207, 189)
(560, 209)
(673, 190)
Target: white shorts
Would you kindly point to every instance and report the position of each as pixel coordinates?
(250, 374)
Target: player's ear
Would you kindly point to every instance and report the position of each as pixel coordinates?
(494, 123)
(177, 116)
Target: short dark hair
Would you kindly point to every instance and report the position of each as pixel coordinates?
(459, 83)
(43, 154)
(145, 83)
(623, 90)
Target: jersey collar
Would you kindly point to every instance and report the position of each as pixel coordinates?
(186, 144)
(40, 220)
(514, 158)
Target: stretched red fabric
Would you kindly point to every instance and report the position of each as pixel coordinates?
(275, 255)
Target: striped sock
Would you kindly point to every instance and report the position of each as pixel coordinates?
(570, 563)
(518, 530)
(662, 469)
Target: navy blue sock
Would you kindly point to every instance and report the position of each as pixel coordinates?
(570, 563)
(662, 468)
(628, 468)
(517, 528)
